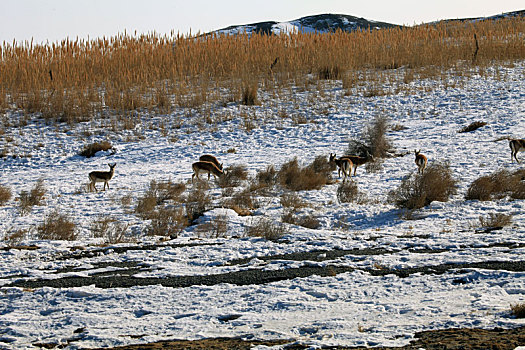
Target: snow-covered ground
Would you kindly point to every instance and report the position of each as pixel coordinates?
(351, 308)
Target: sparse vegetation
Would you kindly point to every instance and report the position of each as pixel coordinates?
(347, 192)
(5, 194)
(266, 228)
(57, 226)
(518, 310)
(34, 197)
(233, 176)
(497, 185)
(296, 178)
(472, 126)
(495, 220)
(92, 149)
(419, 190)
(110, 229)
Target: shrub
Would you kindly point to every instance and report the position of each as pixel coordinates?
(233, 176)
(347, 192)
(329, 73)
(497, 185)
(5, 194)
(57, 226)
(266, 229)
(417, 191)
(157, 194)
(34, 197)
(293, 201)
(15, 237)
(109, 229)
(307, 221)
(295, 178)
(518, 310)
(375, 137)
(197, 202)
(495, 220)
(472, 126)
(249, 95)
(265, 178)
(92, 149)
(168, 221)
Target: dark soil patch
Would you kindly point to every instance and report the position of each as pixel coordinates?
(254, 276)
(449, 339)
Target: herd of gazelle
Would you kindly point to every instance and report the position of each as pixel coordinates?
(209, 164)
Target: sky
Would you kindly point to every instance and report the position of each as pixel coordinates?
(54, 20)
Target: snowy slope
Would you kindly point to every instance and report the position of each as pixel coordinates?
(350, 308)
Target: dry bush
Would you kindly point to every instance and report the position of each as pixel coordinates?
(347, 192)
(91, 149)
(5, 194)
(496, 220)
(197, 202)
(266, 229)
(213, 229)
(419, 190)
(158, 193)
(15, 237)
(57, 226)
(243, 202)
(329, 73)
(472, 126)
(296, 178)
(291, 217)
(375, 137)
(518, 310)
(497, 185)
(34, 197)
(292, 201)
(265, 178)
(233, 176)
(167, 221)
(249, 95)
(110, 229)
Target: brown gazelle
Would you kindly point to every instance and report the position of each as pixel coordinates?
(205, 167)
(421, 161)
(515, 147)
(343, 164)
(357, 160)
(211, 159)
(101, 176)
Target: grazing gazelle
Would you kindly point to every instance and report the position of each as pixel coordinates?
(211, 159)
(101, 176)
(343, 164)
(356, 160)
(203, 167)
(515, 147)
(421, 161)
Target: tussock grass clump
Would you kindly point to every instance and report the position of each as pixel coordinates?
(249, 95)
(157, 194)
(419, 190)
(266, 229)
(495, 220)
(197, 202)
(296, 178)
(57, 226)
(472, 126)
(5, 194)
(233, 176)
(167, 221)
(498, 185)
(34, 197)
(329, 73)
(518, 310)
(375, 137)
(265, 178)
(110, 229)
(92, 149)
(293, 201)
(347, 192)
(15, 237)
(291, 217)
(242, 202)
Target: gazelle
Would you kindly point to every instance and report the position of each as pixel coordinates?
(101, 176)
(343, 164)
(356, 160)
(515, 147)
(421, 161)
(203, 167)
(211, 159)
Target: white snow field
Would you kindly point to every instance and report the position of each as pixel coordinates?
(348, 309)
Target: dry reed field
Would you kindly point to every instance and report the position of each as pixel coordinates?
(79, 80)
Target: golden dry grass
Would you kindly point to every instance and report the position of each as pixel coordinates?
(73, 81)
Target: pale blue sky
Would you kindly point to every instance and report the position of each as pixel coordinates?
(54, 20)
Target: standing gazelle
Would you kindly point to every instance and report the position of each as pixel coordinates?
(101, 176)
(211, 159)
(357, 160)
(203, 167)
(515, 147)
(343, 164)
(421, 161)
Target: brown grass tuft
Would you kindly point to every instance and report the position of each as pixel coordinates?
(419, 190)
(91, 149)
(495, 220)
(497, 185)
(518, 310)
(57, 226)
(5, 194)
(347, 192)
(34, 197)
(295, 178)
(266, 229)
